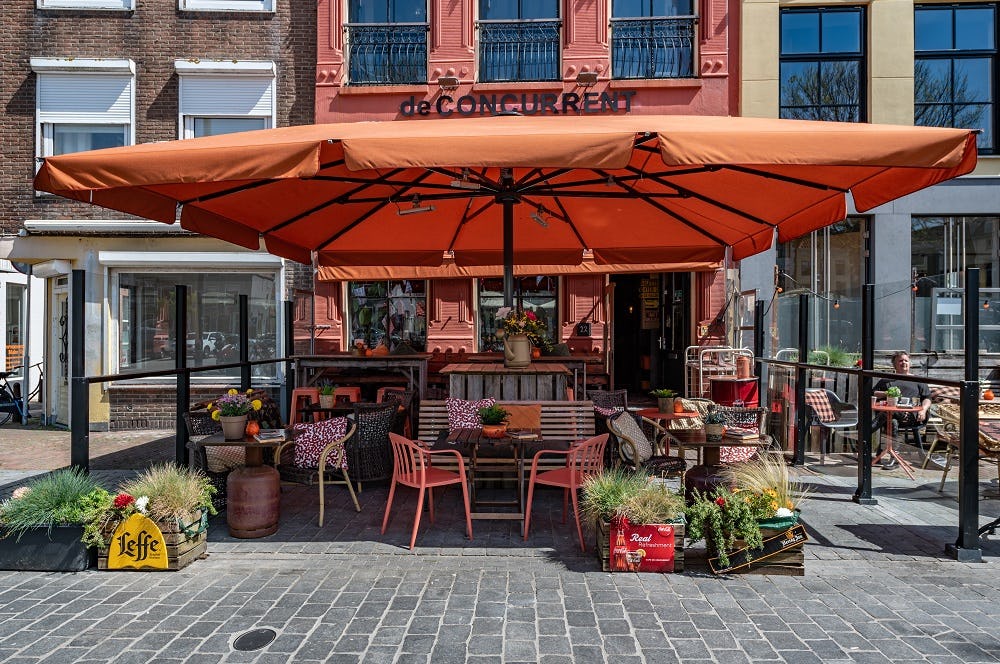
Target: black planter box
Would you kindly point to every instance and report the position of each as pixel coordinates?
(41, 550)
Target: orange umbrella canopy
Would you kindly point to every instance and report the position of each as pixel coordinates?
(630, 189)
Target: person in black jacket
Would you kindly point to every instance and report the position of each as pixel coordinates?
(919, 394)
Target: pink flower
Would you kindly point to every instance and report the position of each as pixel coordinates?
(123, 500)
(531, 315)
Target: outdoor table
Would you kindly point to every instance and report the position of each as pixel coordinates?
(708, 474)
(253, 491)
(883, 407)
(469, 442)
(338, 410)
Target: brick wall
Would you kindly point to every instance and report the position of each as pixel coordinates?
(153, 35)
(155, 406)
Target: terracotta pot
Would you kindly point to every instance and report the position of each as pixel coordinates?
(536, 353)
(233, 426)
(494, 430)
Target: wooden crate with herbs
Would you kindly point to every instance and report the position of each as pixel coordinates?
(783, 554)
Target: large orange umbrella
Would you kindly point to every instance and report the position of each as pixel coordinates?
(630, 189)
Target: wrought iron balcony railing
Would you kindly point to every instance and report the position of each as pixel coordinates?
(386, 53)
(518, 50)
(653, 47)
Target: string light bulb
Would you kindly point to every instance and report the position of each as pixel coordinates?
(779, 289)
(836, 304)
(914, 287)
(986, 304)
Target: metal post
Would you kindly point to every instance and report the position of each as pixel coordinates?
(79, 449)
(966, 547)
(863, 494)
(758, 343)
(244, 343)
(286, 398)
(508, 252)
(801, 421)
(183, 375)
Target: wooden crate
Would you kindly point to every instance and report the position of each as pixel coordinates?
(603, 545)
(788, 561)
(182, 549)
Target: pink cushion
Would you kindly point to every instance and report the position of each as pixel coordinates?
(463, 414)
(314, 437)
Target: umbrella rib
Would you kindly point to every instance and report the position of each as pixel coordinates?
(705, 199)
(353, 224)
(339, 200)
(690, 224)
(566, 218)
(783, 178)
(466, 218)
(226, 192)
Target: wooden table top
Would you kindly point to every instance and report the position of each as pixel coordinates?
(656, 414)
(696, 438)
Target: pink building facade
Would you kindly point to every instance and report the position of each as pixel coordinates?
(406, 60)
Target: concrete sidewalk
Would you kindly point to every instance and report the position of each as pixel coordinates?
(878, 588)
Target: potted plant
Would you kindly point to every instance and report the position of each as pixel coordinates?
(326, 393)
(892, 395)
(639, 521)
(232, 411)
(715, 425)
(664, 399)
(177, 500)
(757, 497)
(41, 524)
(494, 419)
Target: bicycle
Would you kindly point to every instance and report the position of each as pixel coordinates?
(11, 401)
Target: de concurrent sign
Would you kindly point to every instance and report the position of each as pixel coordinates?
(534, 103)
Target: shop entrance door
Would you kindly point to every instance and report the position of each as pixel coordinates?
(650, 326)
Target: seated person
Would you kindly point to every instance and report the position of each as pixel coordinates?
(919, 394)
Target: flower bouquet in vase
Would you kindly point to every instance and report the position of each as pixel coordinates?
(232, 410)
(521, 330)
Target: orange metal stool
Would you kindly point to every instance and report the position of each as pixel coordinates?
(300, 395)
(352, 393)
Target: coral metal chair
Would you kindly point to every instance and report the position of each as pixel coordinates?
(413, 467)
(582, 460)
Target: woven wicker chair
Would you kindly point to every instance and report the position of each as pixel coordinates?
(369, 454)
(329, 470)
(200, 425)
(636, 450)
(618, 399)
(989, 437)
(404, 401)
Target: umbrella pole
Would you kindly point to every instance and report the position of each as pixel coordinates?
(508, 253)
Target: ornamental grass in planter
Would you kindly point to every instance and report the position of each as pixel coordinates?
(639, 521)
(41, 523)
(755, 503)
(177, 502)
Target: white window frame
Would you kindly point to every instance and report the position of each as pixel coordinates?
(46, 118)
(191, 73)
(226, 5)
(104, 5)
(116, 262)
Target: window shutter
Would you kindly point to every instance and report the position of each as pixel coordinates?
(85, 97)
(227, 95)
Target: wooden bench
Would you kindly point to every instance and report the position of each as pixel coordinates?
(562, 423)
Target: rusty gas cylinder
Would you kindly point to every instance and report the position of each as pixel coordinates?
(253, 498)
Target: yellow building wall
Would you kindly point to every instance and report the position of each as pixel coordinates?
(890, 61)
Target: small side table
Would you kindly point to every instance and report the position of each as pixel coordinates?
(883, 407)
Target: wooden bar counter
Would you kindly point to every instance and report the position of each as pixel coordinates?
(537, 382)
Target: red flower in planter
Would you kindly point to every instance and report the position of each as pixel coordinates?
(123, 500)
(720, 501)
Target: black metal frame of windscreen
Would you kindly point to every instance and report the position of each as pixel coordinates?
(80, 383)
(966, 547)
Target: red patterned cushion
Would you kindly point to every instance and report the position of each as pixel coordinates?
(314, 437)
(463, 414)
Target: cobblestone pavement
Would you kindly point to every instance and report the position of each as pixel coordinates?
(878, 588)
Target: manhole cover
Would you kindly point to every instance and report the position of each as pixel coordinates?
(255, 639)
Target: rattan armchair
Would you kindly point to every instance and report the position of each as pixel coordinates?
(369, 453)
(949, 435)
(637, 451)
(200, 425)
